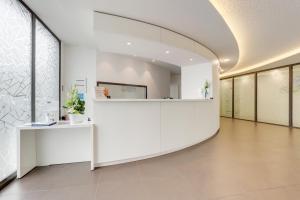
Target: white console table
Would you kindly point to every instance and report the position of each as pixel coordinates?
(56, 144)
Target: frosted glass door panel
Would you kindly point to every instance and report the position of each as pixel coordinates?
(46, 74)
(273, 96)
(244, 97)
(226, 97)
(296, 96)
(15, 79)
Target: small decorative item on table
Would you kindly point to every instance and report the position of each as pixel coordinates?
(100, 92)
(106, 92)
(75, 107)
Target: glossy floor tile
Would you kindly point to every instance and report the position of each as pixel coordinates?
(245, 161)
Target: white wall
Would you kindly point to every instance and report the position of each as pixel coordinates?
(193, 78)
(58, 146)
(125, 69)
(78, 63)
(175, 86)
(215, 92)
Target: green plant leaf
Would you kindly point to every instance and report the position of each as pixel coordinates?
(74, 104)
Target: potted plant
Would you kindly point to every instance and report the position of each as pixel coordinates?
(75, 107)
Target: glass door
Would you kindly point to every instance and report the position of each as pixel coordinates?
(15, 79)
(273, 96)
(296, 96)
(46, 73)
(244, 97)
(226, 97)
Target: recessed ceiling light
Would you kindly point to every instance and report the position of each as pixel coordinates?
(225, 60)
(191, 59)
(167, 52)
(128, 43)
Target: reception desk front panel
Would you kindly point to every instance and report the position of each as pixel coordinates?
(128, 130)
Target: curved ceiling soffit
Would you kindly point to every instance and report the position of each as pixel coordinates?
(161, 27)
(197, 20)
(266, 32)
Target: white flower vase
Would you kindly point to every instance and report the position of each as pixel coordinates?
(76, 118)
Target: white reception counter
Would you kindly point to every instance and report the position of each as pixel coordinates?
(121, 131)
(128, 130)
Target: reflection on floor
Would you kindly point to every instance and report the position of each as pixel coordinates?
(244, 161)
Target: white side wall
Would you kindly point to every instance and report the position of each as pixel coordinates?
(215, 92)
(175, 86)
(58, 146)
(193, 78)
(125, 69)
(78, 63)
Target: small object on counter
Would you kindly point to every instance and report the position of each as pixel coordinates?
(106, 92)
(100, 92)
(40, 124)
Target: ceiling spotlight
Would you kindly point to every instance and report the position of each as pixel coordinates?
(191, 59)
(128, 43)
(225, 60)
(167, 52)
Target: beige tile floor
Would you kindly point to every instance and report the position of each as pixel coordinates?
(245, 161)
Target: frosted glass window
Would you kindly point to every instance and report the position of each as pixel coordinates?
(244, 97)
(46, 74)
(273, 96)
(296, 96)
(15, 79)
(226, 97)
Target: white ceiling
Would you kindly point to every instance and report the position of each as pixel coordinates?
(72, 20)
(266, 30)
(251, 33)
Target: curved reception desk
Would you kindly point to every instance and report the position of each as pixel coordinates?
(129, 130)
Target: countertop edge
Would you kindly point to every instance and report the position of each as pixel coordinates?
(153, 100)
